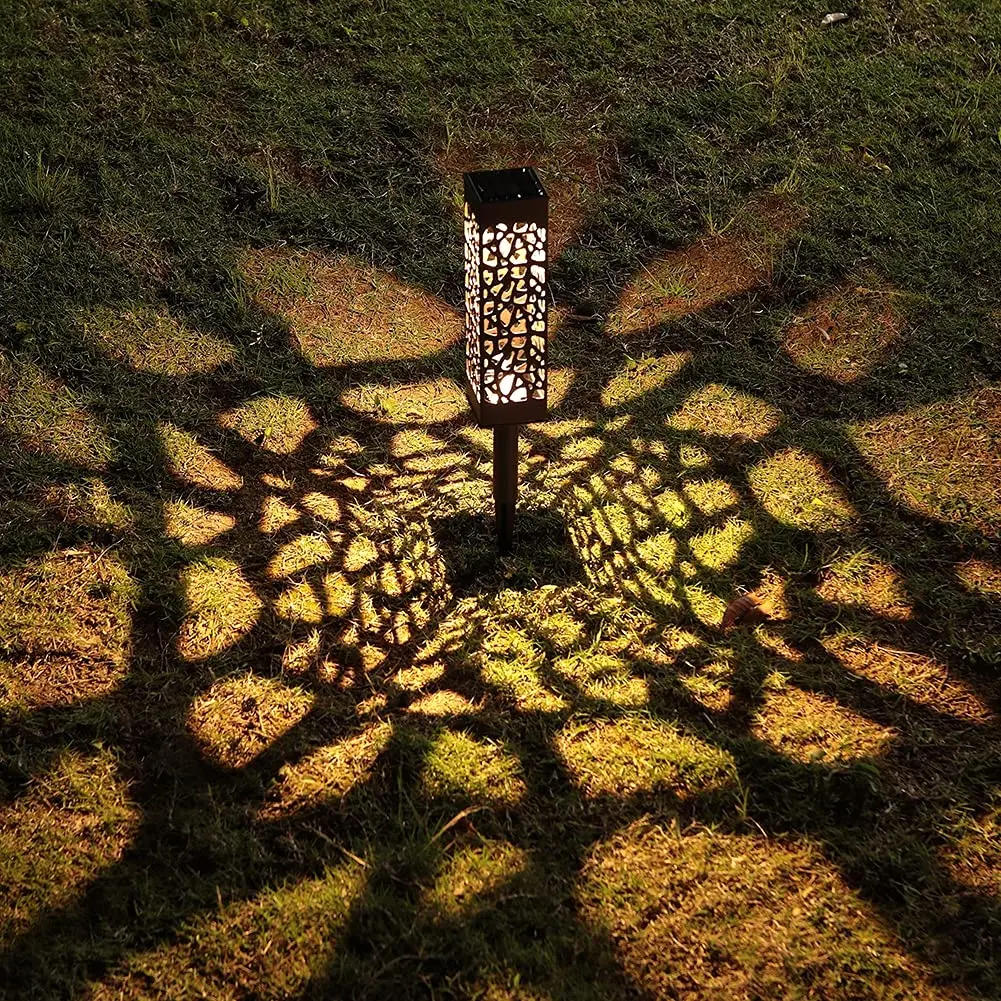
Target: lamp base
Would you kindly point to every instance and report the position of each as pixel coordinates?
(505, 484)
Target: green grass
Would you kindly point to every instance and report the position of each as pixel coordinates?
(275, 722)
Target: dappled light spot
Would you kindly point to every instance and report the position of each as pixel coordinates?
(474, 876)
(414, 442)
(972, 853)
(560, 429)
(658, 552)
(419, 676)
(276, 515)
(845, 334)
(640, 376)
(707, 607)
(155, 342)
(280, 940)
(461, 767)
(559, 383)
(237, 718)
(322, 506)
(589, 447)
(980, 576)
(710, 684)
(716, 915)
(510, 665)
(75, 821)
(635, 754)
(942, 460)
(603, 677)
(862, 580)
(326, 774)
(312, 602)
(278, 423)
(341, 310)
(362, 552)
(711, 496)
(194, 526)
(813, 728)
(220, 608)
(71, 602)
(444, 702)
(421, 403)
(720, 547)
(724, 412)
(795, 489)
(48, 418)
(693, 457)
(189, 460)
(88, 502)
(302, 552)
(918, 677)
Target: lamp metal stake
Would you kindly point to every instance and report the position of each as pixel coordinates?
(505, 483)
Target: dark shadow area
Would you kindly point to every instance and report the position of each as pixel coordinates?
(543, 553)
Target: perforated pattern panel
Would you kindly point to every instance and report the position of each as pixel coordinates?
(514, 313)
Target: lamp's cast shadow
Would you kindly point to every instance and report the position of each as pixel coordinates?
(543, 553)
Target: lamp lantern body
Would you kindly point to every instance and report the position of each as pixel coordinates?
(506, 222)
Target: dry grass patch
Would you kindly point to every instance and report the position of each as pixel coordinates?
(152, 342)
(191, 462)
(71, 602)
(341, 310)
(740, 918)
(278, 423)
(635, 755)
(724, 412)
(300, 554)
(315, 601)
(271, 947)
(46, 417)
(326, 774)
(194, 526)
(221, 608)
(810, 728)
(709, 272)
(921, 679)
(276, 515)
(75, 821)
(795, 489)
(88, 502)
(944, 459)
(981, 576)
(720, 547)
(845, 334)
(862, 580)
(237, 718)
(442, 703)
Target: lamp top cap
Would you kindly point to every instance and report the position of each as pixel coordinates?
(513, 184)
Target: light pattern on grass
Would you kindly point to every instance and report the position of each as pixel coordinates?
(235, 719)
(713, 913)
(48, 418)
(154, 342)
(370, 685)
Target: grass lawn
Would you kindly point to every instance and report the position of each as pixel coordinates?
(274, 720)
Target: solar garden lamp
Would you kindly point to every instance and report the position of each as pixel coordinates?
(506, 217)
